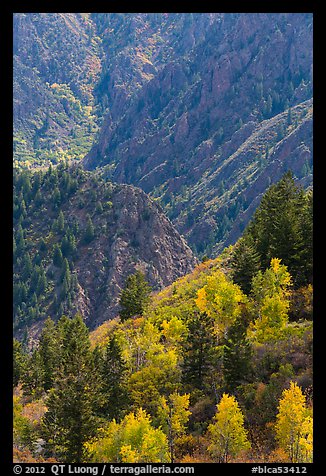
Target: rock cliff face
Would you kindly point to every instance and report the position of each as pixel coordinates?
(136, 46)
(138, 236)
(184, 134)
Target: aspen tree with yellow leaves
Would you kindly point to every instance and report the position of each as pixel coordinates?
(221, 299)
(134, 440)
(271, 292)
(293, 427)
(227, 435)
(173, 415)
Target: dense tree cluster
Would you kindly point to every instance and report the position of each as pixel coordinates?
(49, 239)
(216, 367)
(193, 379)
(282, 227)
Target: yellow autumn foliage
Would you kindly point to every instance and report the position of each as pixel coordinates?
(134, 440)
(221, 299)
(227, 435)
(294, 425)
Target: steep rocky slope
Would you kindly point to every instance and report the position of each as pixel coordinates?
(202, 111)
(136, 46)
(185, 127)
(138, 236)
(70, 69)
(77, 238)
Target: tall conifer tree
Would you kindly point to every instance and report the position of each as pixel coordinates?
(72, 403)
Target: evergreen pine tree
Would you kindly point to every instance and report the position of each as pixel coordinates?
(65, 246)
(199, 350)
(60, 223)
(42, 246)
(65, 274)
(245, 263)
(70, 420)
(57, 256)
(27, 267)
(24, 292)
(113, 375)
(56, 198)
(41, 283)
(37, 180)
(135, 296)
(237, 355)
(89, 233)
(33, 375)
(277, 227)
(305, 256)
(72, 245)
(38, 199)
(18, 362)
(49, 352)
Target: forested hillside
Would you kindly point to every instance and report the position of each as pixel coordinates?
(70, 70)
(226, 339)
(76, 239)
(56, 67)
(203, 111)
(163, 238)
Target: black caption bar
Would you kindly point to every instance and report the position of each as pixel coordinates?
(106, 469)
